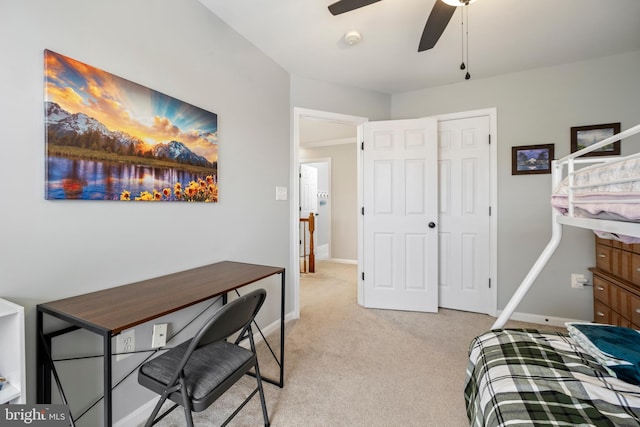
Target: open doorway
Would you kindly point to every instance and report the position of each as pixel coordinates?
(319, 136)
(318, 204)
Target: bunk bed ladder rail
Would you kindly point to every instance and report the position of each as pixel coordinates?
(556, 225)
(538, 266)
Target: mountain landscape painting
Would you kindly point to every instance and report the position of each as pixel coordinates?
(108, 138)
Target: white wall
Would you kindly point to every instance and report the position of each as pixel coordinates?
(344, 206)
(55, 249)
(323, 213)
(539, 107)
(333, 98)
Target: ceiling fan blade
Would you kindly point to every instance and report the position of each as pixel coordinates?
(438, 19)
(343, 6)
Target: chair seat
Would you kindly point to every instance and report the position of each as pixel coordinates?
(208, 367)
(197, 372)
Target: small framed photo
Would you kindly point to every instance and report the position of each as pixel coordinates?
(531, 159)
(584, 136)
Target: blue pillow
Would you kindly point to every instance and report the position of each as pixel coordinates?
(617, 342)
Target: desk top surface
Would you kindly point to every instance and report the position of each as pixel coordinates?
(116, 309)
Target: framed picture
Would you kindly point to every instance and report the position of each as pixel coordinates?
(584, 136)
(531, 159)
(108, 138)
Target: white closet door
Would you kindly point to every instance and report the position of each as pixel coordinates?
(464, 232)
(400, 203)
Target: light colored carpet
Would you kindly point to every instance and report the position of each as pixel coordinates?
(350, 366)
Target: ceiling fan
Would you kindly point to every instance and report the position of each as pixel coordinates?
(438, 19)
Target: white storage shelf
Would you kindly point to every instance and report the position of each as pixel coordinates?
(12, 359)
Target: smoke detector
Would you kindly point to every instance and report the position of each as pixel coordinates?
(352, 37)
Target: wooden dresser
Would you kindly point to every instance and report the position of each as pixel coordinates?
(616, 283)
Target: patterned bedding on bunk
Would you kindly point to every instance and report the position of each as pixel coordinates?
(530, 378)
(609, 185)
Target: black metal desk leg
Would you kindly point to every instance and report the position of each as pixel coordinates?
(282, 301)
(108, 403)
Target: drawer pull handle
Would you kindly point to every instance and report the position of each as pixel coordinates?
(600, 288)
(638, 310)
(599, 313)
(602, 255)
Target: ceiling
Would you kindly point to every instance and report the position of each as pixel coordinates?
(320, 132)
(505, 36)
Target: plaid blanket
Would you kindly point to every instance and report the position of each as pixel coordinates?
(527, 377)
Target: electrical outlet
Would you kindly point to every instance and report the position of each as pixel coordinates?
(125, 343)
(578, 281)
(159, 338)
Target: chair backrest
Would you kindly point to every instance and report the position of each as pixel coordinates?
(230, 318)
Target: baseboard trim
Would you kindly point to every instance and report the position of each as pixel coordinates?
(139, 416)
(344, 261)
(322, 252)
(541, 319)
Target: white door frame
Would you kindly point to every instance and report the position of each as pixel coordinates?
(493, 177)
(294, 268)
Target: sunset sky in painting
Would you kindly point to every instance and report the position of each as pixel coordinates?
(126, 106)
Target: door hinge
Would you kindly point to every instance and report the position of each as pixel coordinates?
(363, 276)
(489, 210)
(489, 282)
(362, 210)
(362, 145)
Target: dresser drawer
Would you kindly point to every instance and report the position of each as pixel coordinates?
(601, 290)
(603, 257)
(601, 313)
(635, 310)
(635, 268)
(617, 257)
(620, 301)
(618, 320)
(631, 247)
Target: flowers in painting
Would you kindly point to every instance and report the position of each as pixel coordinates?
(202, 190)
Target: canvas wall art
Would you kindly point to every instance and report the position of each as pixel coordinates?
(108, 138)
(531, 159)
(585, 136)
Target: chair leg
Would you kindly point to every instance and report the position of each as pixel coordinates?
(153, 415)
(186, 403)
(188, 417)
(265, 415)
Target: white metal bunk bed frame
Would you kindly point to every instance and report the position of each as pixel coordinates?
(558, 220)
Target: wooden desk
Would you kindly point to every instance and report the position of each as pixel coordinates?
(111, 311)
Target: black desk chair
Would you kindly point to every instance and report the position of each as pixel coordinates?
(197, 372)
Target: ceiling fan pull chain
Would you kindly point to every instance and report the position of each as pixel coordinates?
(466, 8)
(462, 66)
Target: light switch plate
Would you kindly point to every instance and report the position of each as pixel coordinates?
(281, 193)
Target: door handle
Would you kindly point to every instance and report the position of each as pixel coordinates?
(432, 224)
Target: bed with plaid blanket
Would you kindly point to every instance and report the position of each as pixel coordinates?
(533, 378)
